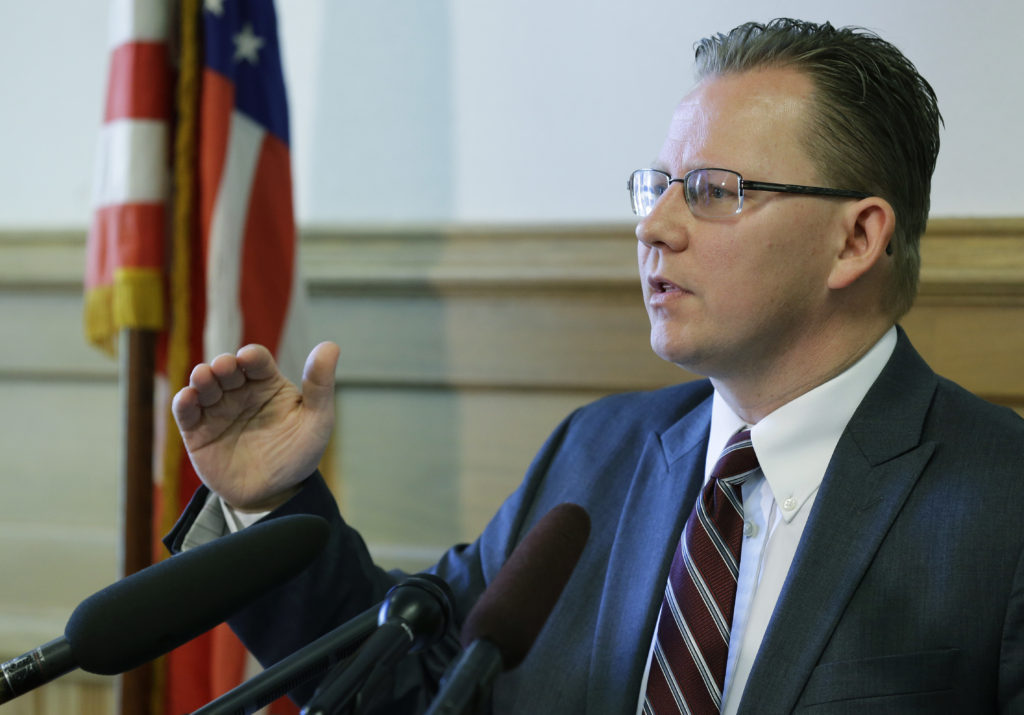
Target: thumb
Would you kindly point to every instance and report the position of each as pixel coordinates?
(318, 377)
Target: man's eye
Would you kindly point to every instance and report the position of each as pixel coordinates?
(651, 192)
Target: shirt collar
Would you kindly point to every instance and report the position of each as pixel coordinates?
(795, 442)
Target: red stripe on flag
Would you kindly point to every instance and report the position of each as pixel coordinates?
(268, 253)
(140, 82)
(189, 684)
(125, 235)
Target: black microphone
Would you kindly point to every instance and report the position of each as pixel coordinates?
(415, 615)
(503, 624)
(153, 611)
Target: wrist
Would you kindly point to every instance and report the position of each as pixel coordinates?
(267, 505)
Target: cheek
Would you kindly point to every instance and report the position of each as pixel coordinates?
(643, 251)
(797, 252)
(790, 279)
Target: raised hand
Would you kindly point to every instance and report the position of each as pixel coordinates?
(250, 433)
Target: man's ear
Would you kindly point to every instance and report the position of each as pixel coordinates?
(868, 226)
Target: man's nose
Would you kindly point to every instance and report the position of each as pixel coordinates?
(667, 224)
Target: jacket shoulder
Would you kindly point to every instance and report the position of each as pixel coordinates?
(645, 411)
(959, 417)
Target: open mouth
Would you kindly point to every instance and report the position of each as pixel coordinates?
(660, 285)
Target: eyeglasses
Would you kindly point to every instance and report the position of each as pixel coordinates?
(713, 193)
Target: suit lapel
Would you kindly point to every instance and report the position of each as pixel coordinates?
(875, 466)
(664, 487)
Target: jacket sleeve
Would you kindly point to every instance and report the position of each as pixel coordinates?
(343, 582)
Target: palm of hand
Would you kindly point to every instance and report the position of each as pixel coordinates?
(256, 441)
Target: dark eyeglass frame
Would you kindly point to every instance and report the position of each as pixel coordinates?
(745, 185)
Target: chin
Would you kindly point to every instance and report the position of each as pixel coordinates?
(676, 348)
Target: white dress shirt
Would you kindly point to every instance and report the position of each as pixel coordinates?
(793, 445)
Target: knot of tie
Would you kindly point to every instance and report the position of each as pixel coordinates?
(735, 465)
(737, 461)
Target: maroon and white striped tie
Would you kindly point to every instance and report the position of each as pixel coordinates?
(692, 644)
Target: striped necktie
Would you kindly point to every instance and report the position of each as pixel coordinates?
(692, 643)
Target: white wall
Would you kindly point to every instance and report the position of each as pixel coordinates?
(414, 111)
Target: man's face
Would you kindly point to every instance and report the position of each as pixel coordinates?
(729, 296)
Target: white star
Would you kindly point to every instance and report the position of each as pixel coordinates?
(214, 6)
(247, 45)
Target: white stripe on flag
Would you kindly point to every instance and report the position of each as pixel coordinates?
(131, 162)
(223, 329)
(135, 20)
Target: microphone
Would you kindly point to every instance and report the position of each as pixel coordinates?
(155, 610)
(503, 624)
(415, 614)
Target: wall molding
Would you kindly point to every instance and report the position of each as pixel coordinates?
(980, 258)
(525, 308)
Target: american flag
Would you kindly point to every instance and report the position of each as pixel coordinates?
(246, 218)
(218, 268)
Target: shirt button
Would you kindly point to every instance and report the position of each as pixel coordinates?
(789, 504)
(749, 529)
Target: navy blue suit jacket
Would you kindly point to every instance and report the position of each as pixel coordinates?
(906, 594)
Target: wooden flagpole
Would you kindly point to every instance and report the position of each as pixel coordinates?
(141, 691)
(138, 364)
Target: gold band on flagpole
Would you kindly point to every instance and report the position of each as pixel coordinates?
(185, 153)
(179, 278)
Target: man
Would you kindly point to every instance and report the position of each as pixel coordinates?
(882, 559)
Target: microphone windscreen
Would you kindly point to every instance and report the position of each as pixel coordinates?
(512, 610)
(153, 611)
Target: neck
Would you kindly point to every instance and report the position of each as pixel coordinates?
(754, 396)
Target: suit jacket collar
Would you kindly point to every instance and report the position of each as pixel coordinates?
(665, 484)
(876, 464)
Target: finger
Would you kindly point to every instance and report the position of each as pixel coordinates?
(318, 376)
(205, 384)
(257, 362)
(227, 372)
(185, 408)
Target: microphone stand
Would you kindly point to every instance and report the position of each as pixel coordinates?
(415, 614)
(293, 670)
(343, 689)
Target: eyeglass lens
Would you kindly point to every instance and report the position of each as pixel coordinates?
(645, 188)
(713, 192)
(708, 192)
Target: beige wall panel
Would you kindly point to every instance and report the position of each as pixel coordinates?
(582, 340)
(398, 454)
(979, 346)
(43, 335)
(501, 433)
(61, 447)
(59, 517)
(422, 469)
(70, 695)
(59, 436)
